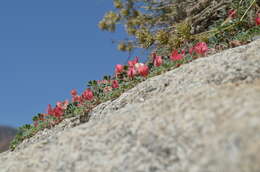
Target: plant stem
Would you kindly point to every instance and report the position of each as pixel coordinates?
(247, 10)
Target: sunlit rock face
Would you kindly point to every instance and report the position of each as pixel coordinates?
(201, 117)
(6, 136)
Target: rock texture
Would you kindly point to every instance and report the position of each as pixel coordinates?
(6, 135)
(201, 117)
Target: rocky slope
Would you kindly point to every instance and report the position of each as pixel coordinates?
(6, 135)
(201, 117)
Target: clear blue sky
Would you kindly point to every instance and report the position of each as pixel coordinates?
(47, 48)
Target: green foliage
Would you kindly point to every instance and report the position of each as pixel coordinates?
(140, 19)
(73, 110)
(247, 35)
(24, 132)
(167, 25)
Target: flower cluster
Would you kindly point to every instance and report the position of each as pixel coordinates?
(109, 88)
(175, 56)
(87, 95)
(107, 85)
(58, 111)
(200, 48)
(132, 70)
(135, 68)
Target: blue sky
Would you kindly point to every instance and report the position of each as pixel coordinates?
(48, 48)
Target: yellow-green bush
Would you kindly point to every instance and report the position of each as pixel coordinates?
(170, 24)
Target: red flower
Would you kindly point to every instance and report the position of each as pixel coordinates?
(58, 112)
(201, 48)
(115, 84)
(143, 70)
(257, 19)
(73, 92)
(176, 56)
(232, 13)
(50, 110)
(131, 72)
(119, 68)
(133, 62)
(157, 60)
(87, 94)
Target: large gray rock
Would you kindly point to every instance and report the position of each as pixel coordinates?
(201, 117)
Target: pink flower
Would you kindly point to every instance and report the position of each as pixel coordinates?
(133, 62)
(107, 89)
(119, 69)
(131, 72)
(157, 60)
(59, 104)
(176, 56)
(191, 50)
(201, 48)
(87, 94)
(115, 84)
(232, 13)
(66, 103)
(143, 70)
(76, 98)
(102, 82)
(257, 19)
(73, 92)
(63, 105)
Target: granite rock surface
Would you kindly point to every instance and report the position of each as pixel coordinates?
(202, 117)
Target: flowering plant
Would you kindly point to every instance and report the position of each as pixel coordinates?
(179, 49)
